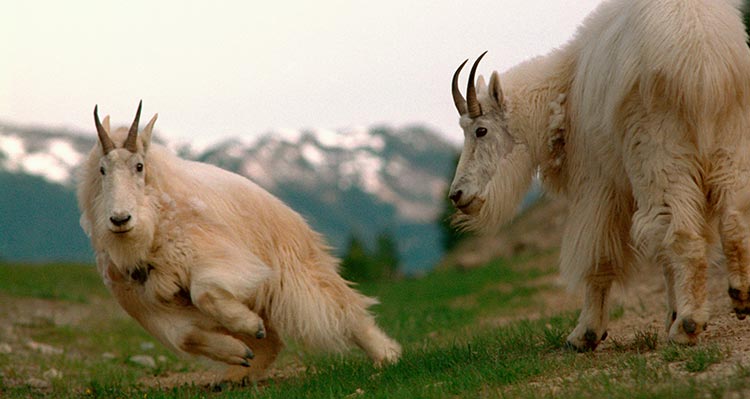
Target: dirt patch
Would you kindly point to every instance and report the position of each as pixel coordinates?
(641, 308)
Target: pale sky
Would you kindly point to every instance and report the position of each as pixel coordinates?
(215, 69)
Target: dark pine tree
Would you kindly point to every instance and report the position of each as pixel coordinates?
(356, 264)
(385, 259)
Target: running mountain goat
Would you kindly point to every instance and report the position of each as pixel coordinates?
(211, 264)
(641, 122)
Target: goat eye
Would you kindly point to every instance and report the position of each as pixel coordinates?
(101, 170)
(481, 132)
(139, 167)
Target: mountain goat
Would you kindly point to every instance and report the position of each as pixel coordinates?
(210, 263)
(641, 122)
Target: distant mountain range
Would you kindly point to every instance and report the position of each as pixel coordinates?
(361, 181)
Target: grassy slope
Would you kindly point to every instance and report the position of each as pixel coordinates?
(438, 319)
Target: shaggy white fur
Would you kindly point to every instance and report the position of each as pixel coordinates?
(211, 264)
(641, 122)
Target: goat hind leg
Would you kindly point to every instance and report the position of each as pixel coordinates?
(378, 346)
(735, 236)
(266, 351)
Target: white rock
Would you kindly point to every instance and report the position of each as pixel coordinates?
(38, 383)
(147, 346)
(44, 349)
(5, 348)
(52, 374)
(143, 360)
(108, 356)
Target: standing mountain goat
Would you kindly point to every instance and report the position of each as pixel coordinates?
(641, 122)
(210, 263)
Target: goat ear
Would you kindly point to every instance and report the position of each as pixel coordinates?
(105, 124)
(145, 135)
(481, 85)
(496, 92)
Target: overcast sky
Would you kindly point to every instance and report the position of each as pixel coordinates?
(240, 68)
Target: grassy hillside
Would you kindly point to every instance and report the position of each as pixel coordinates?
(495, 331)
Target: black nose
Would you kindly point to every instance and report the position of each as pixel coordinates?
(455, 197)
(119, 220)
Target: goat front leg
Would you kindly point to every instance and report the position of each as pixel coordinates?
(222, 287)
(179, 326)
(687, 257)
(669, 285)
(592, 323)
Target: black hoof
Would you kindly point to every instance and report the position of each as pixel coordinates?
(604, 336)
(674, 316)
(260, 334)
(249, 354)
(689, 326)
(741, 312)
(590, 337)
(734, 293)
(245, 364)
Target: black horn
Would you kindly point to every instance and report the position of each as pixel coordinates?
(131, 141)
(107, 144)
(474, 108)
(458, 99)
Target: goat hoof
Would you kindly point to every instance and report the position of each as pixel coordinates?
(741, 313)
(604, 336)
(249, 354)
(740, 302)
(261, 333)
(686, 331)
(587, 343)
(689, 326)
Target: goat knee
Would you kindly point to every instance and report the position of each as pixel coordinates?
(234, 315)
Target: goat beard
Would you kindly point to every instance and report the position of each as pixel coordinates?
(126, 250)
(502, 194)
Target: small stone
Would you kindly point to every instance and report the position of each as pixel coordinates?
(37, 383)
(108, 356)
(357, 392)
(161, 359)
(147, 346)
(44, 349)
(52, 374)
(143, 360)
(5, 348)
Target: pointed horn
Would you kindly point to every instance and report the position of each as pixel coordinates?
(131, 141)
(475, 110)
(107, 144)
(458, 99)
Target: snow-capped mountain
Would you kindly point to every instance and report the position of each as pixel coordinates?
(357, 180)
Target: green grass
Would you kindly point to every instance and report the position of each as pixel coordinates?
(77, 283)
(449, 350)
